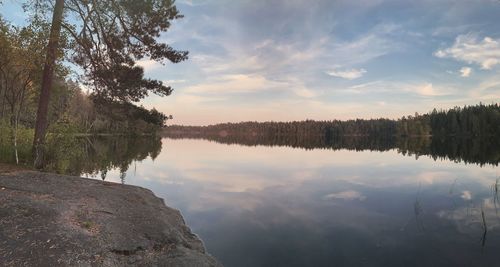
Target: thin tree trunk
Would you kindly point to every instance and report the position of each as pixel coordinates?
(15, 138)
(48, 74)
(17, 116)
(4, 75)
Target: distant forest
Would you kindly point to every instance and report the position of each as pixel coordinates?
(469, 121)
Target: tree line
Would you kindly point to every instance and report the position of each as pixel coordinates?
(470, 121)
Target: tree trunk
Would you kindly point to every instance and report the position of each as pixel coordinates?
(48, 74)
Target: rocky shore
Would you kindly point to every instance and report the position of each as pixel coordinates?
(55, 220)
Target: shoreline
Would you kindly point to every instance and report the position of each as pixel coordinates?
(57, 220)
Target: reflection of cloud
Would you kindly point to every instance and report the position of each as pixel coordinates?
(468, 218)
(430, 177)
(466, 195)
(346, 195)
(209, 169)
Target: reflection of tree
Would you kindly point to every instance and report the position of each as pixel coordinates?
(104, 173)
(123, 174)
(472, 150)
(77, 156)
(309, 142)
(417, 209)
(494, 190)
(485, 228)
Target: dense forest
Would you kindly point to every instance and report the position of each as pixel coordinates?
(469, 121)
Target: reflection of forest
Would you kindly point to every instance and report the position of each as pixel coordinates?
(98, 155)
(470, 150)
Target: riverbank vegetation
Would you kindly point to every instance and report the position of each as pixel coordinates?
(72, 68)
(72, 108)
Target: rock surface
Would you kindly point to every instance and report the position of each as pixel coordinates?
(54, 220)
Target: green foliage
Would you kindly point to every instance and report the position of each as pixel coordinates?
(108, 37)
(469, 121)
(7, 148)
(126, 118)
(71, 111)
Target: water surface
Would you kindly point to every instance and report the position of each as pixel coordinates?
(282, 206)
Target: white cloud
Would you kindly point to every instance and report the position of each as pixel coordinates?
(470, 49)
(174, 81)
(236, 83)
(193, 2)
(349, 74)
(426, 90)
(366, 48)
(421, 88)
(306, 93)
(149, 65)
(346, 195)
(465, 71)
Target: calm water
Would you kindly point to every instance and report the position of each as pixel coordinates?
(283, 206)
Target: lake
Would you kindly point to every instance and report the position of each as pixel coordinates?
(257, 205)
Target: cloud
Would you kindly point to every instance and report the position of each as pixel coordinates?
(236, 83)
(367, 47)
(468, 48)
(187, 99)
(193, 2)
(296, 59)
(410, 88)
(306, 93)
(174, 81)
(346, 195)
(427, 90)
(465, 71)
(349, 74)
(149, 65)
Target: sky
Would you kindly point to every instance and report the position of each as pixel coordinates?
(284, 60)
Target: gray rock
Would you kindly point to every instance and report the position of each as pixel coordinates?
(55, 220)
